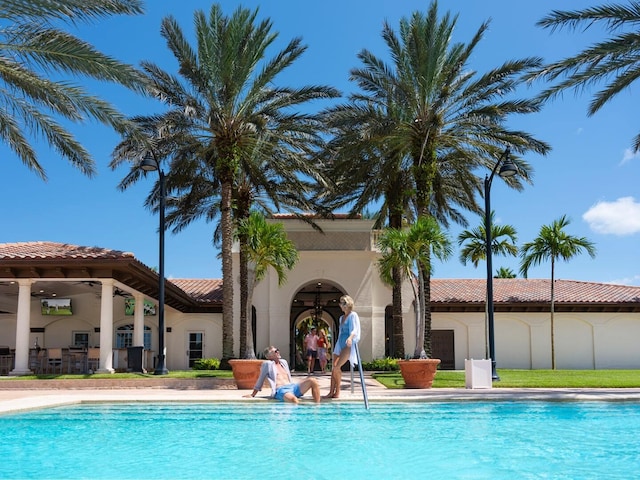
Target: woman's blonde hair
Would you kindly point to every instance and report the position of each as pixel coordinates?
(347, 300)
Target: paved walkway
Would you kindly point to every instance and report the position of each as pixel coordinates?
(60, 392)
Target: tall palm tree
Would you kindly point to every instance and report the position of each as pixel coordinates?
(474, 242)
(615, 60)
(363, 173)
(382, 173)
(267, 246)
(553, 243)
(450, 121)
(474, 249)
(270, 183)
(411, 248)
(32, 50)
(224, 112)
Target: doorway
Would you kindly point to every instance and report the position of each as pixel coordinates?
(315, 304)
(195, 347)
(442, 343)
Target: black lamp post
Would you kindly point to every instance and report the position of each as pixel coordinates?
(150, 164)
(508, 169)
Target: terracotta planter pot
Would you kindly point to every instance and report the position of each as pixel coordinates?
(245, 372)
(418, 372)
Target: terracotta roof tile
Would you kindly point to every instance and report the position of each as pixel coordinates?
(202, 290)
(469, 291)
(519, 290)
(54, 250)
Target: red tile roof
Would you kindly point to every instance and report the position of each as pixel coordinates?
(470, 292)
(54, 250)
(519, 290)
(201, 289)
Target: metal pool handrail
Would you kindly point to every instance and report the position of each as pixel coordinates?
(364, 385)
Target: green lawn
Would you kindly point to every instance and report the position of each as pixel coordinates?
(531, 379)
(444, 378)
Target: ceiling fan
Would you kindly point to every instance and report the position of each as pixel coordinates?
(90, 283)
(41, 294)
(121, 293)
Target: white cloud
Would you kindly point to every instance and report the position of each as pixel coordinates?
(621, 217)
(632, 281)
(628, 156)
(579, 131)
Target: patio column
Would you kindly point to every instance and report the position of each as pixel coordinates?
(138, 321)
(23, 324)
(106, 327)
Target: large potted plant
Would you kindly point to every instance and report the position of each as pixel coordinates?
(245, 372)
(262, 245)
(412, 248)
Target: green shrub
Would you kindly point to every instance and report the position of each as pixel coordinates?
(207, 364)
(386, 364)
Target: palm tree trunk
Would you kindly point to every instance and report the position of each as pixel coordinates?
(427, 313)
(395, 221)
(420, 327)
(395, 196)
(553, 342)
(226, 224)
(398, 330)
(244, 296)
(249, 346)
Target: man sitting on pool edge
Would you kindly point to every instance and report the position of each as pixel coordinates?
(276, 370)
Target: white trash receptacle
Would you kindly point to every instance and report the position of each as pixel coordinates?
(477, 373)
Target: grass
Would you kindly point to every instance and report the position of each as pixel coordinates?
(443, 379)
(531, 379)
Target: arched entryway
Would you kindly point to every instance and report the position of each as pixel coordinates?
(315, 304)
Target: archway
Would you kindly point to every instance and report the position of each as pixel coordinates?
(315, 304)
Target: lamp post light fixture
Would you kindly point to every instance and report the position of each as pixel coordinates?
(508, 169)
(149, 164)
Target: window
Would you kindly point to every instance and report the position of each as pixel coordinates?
(124, 337)
(80, 339)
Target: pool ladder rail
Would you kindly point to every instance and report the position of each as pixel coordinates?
(362, 382)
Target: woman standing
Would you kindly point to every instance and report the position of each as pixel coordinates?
(349, 333)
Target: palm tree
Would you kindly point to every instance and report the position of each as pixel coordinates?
(32, 49)
(553, 243)
(449, 121)
(504, 272)
(615, 60)
(224, 112)
(267, 246)
(382, 172)
(474, 249)
(363, 173)
(474, 242)
(411, 248)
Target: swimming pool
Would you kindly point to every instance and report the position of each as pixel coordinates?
(448, 440)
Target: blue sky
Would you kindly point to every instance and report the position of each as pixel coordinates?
(590, 175)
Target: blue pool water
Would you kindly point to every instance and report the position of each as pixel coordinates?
(457, 440)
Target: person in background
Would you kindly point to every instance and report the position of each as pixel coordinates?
(344, 350)
(276, 371)
(311, 347)
(323, 345)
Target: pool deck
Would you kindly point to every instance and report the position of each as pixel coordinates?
(17, 395)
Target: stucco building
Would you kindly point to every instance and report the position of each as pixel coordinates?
(96, 290)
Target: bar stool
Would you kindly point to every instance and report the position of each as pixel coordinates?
(54, 360)
(93, 359)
